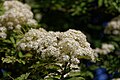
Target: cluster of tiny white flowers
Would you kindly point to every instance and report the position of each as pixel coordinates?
(113, 27)
(64, 46)
(3, 32)
(16, 14)
(105, 49)
(116, 79)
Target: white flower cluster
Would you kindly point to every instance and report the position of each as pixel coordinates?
(116, 79)
(105, 49)
(16, 14)
(63, 46)
(3, 32)
(113, 26)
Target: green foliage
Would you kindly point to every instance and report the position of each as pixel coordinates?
(75, 76)
(23, 77)
(12, 59)
(74, 7)
(15, 61)
(110, 4)
(1, 7)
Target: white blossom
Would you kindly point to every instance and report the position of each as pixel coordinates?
(50, 52)
(113, 27)
(3, 29)
(31, 22)
(38, 16)
(3, 32)
(67, 46)
(75, 60)
(77, 36)
(105, 49)
(65, 58)
(3, 35)
(116, 79)
(22, 45)
(16, 15)
(18, 27)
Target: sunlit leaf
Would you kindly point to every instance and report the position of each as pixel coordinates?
(100, 3)
(23, 77)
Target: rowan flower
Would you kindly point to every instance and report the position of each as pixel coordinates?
(105, 49)
(16, 15)
(113, 27)
(3, 35)
(116, 79)
(67, 46)
(2, 32)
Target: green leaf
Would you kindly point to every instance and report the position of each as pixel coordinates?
(2, 10)
(76, 78)
(28, 55)
(100, 3)
(23, 76)
(5, 74)
(20, 54)
(12, 59)
(9, 59)
(7, 41)
(106, 3)
(73, 74)
(12, 40)
(90, 0)
(116, 6)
